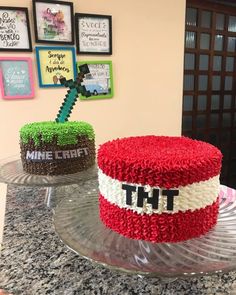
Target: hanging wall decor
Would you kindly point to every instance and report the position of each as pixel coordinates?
(16, 77)
(99, 80)
(53, 22)
(55, 63)
(14, 29)
(93, 33)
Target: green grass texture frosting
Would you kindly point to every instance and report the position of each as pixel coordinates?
(65, 133)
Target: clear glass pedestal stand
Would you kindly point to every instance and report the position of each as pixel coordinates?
(74, 200)
(11, 172)
(57, 187)
(77, 223)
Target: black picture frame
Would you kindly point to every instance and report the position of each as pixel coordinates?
(12, 29)
(50, 22)
(102, 29)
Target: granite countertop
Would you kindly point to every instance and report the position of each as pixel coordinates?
(34, 261)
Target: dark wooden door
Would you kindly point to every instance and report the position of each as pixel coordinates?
(209, 98)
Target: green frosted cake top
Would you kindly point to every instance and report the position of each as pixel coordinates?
(65, 133)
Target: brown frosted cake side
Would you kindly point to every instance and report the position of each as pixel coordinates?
(51, 148)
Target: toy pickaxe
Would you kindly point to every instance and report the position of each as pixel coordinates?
(72, 94)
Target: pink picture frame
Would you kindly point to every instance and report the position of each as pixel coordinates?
(16, 78)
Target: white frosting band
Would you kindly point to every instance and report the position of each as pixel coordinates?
(191, 197)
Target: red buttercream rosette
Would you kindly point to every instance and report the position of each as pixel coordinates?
(165, 162)
(159, 160)
(158, 228)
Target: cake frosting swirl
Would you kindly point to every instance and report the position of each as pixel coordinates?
(159, 188)
(53, 148)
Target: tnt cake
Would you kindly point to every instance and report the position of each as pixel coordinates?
(159, 189)
(54, 148)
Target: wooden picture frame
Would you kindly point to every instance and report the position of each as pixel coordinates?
(93, 33)
(53, 22)
(16, 77)
(99, 81)
(53, 63)
(15, 29)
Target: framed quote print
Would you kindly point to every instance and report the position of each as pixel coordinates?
(16, 77)
(54, 63)
(99, 81)
(53, 22)
(93, 33)
(14, 29)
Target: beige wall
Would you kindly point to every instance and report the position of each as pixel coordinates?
(148, 46)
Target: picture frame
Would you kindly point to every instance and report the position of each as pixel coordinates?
(93, 33)
(99, 81)
(16, 77)
(53, 63)
(53, 22)
(15, 32)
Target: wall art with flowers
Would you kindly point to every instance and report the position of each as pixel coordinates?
(53, 22)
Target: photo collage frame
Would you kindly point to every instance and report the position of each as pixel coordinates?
(67, 34)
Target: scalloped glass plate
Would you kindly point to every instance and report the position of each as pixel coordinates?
(11, 172)
(77, 223)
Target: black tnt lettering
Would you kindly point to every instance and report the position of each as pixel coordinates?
(170, 198)
(154, 200)
(129, 189)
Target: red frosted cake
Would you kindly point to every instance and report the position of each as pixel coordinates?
(158, 188)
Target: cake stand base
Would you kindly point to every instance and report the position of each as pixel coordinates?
(78, 225)
(11, 172)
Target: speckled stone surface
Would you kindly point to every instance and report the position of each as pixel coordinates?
(34, 261)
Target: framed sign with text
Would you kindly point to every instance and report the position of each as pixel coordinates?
(14, 29)
(99, 81)
(53, 22)
(93, 33)
(55, 63)
(16, 77)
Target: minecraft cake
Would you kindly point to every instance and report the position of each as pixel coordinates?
(159, 188)
(59, 147)
(52, 148)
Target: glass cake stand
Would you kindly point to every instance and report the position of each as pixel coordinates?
(77, 223)
(11, 172)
